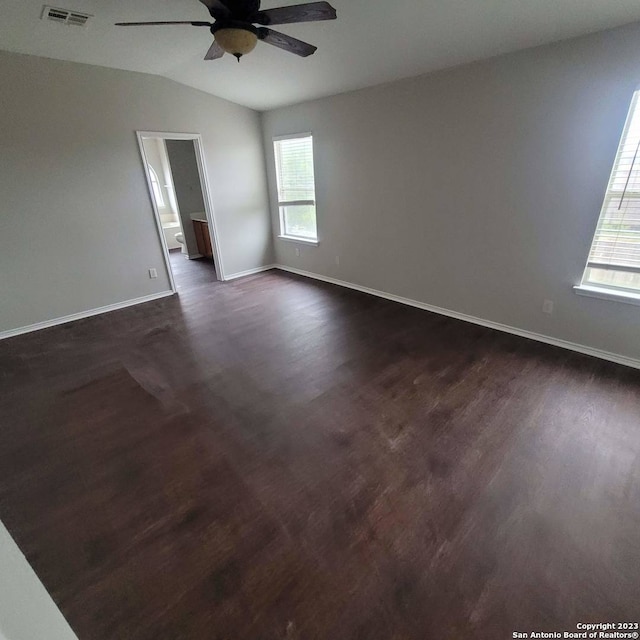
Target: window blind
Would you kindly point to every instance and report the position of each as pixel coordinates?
(616, 244)
(294, 167)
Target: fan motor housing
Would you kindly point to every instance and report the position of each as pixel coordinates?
(233, 24)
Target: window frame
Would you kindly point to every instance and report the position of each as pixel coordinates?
(607, 291)
(283, 235)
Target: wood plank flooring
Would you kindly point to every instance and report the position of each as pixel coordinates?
(276, 458)
(190, 273)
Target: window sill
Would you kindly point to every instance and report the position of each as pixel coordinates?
(607, 294)
(313, 243)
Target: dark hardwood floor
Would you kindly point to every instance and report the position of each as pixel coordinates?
(279, 458)
(190, 273)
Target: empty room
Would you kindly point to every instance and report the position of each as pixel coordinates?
(320, 320)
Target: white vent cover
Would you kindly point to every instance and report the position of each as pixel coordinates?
(65, 16)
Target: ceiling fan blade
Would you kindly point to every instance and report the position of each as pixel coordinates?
(293, 45)
(143, 24)
(215, 52)
(310, 12)
(217, 8)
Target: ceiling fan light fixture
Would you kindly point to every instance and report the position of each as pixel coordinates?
(234, 26)
(237, 42)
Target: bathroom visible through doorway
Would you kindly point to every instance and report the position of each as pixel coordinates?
(176, 177)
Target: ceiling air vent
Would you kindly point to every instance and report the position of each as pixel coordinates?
(65, 16)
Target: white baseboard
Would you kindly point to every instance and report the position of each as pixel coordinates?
(83, 314)
(565, 344)
(250, 272)
(556, 342)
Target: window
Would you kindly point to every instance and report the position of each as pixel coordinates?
(155, 187)
(296, 187)
(614, 259)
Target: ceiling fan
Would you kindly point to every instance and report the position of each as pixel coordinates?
(234, 27)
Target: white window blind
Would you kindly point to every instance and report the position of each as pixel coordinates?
(296, 186)
(614, 259)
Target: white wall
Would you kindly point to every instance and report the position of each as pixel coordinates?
(186, 180)
(76, 225)
(188, 190)
(27, 612)
(475, 189)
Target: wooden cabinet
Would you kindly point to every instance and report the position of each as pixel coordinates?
(203, 239)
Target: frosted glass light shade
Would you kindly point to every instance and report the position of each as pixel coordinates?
(237, 42)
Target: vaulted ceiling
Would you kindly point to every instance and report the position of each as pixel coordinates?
(371, 42)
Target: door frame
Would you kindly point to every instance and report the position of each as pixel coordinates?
(206, 197)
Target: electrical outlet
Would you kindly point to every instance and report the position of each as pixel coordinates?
(153, 273)
(547, 307)
(338, 261)
(298, 251)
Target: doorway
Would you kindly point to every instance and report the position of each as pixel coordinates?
(176, 175)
